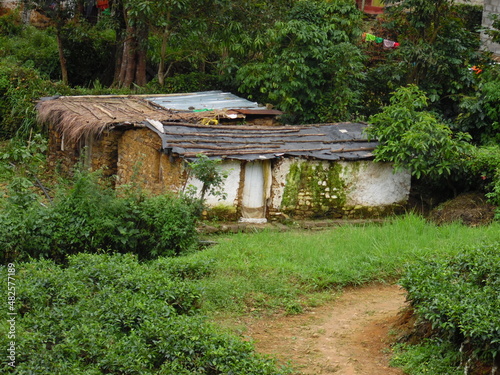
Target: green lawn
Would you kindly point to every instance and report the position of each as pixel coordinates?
(276, 270)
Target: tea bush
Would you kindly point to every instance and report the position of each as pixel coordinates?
(90, 217)
(484, 167)
(459, 295)
(110, 314)
(431, 357)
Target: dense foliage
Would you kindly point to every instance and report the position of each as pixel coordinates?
(480, 110)
(414, 138)
(109, 314)
(438, 45)
(89, 216)
(310, 67)
(19, 87)
(484, 166)
(459, 295)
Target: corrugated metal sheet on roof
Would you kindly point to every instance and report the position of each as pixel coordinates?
(204, 100)
(341, 141)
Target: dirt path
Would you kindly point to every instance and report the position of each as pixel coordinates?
(348, 336)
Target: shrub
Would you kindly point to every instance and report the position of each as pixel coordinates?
(459, 296)
(415, 139)
(432, 357)
(110, 314)
(33, 48)
(19, 87)
(167, 226)
(90, 217)
(484, 167)
(479, 111)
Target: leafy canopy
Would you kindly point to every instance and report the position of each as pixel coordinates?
(309, 57)
(415, 139)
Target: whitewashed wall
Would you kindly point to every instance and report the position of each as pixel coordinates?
(375, 184)
(231, 185)
(367, 183)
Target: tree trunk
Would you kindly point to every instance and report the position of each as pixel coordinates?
(129, 57)
(62, 59)
(163, 52)
(118, 61)
(141, 56)
(133, 58)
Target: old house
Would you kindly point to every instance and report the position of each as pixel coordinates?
(274, 171)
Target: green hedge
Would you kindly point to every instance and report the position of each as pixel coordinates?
(460, 296)
(110, 314)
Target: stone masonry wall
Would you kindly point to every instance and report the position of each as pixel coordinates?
(304, 189)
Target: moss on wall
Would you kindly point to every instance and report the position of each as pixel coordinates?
(314, 189)
(221, 212)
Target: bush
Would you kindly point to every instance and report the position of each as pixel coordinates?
(166, 224)
(414, 139)
(33, 48)
(484, 167)
(432, 357)
(109, 314)
(459, 296)
(19, 88)
(480, 111)
(90, 217)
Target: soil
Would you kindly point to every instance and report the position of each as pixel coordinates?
(352, 335)
(349, 336)
(471, 209)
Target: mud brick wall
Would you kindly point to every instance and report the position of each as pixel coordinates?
(61, 156)
(103, 153)
(96, 153)
(141, 162)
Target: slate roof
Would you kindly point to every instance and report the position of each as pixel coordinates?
(340, 141)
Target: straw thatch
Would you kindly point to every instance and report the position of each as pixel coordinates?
(80, 116)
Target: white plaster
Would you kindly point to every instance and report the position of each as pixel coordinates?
(279, 174)
(253, 190)
(252, 220)
(374, 184)
(368, 184)
(231, 185)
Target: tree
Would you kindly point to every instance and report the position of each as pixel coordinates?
(133, 33)
(480, 111)
(207, 171)
(415, 139)
(436, 50)
(59, 12)
(308, 61)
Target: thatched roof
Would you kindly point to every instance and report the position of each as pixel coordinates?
(80, 116)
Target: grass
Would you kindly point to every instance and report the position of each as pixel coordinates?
(431, 357)
(267, 271)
